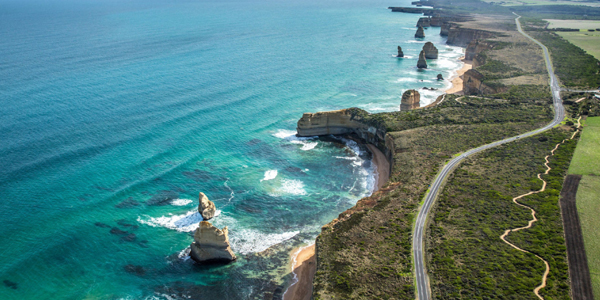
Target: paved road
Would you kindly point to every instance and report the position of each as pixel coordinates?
(559, 114)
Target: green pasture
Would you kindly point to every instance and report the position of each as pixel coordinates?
(588, 41)
(577, 24)
(586, 160)
(543, 2)
(588, 206)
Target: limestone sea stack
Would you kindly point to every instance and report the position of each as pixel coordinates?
(211, 245)
(431, 52)
(411, 99)
(400, 53)
(420, 32)
(424, 22)
(422, 63)
(206, 207)
(440, 77)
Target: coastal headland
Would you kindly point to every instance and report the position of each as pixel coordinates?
(500, 91)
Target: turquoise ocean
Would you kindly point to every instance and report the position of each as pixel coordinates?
(115, 114)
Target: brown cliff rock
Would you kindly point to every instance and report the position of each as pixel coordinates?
(411, 99)
(211, 244)
(400, 53)
(431, 52)
(473, 84)
(420, 32)
(458, 36)
(422, 63)
(424, 22)
(475, 47)
(206, 207)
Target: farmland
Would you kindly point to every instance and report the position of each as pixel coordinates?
(588, 205)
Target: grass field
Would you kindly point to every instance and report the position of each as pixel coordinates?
(543, 2)
(588, 206)
(578, 24)
(586, 40)
(586, 160)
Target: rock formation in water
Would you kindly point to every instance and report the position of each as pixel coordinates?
(445, 28)
(440, 77)
(431, 52)
(211, 245)
(400, 53)
(410, 100)
(206, 207)
(424, 22)
(420, 32)
(422, 63)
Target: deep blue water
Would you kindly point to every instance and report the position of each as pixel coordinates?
(115, 114)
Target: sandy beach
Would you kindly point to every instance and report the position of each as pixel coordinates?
(457, 80)
(383, 166)
(304, 265)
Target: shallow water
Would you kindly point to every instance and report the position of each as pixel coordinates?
(115, 114)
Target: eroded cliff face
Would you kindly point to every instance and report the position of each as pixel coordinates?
(473, 84)
(475, 47)
(347, 121)
(458, 36)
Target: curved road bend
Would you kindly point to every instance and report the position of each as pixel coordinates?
(559, 114)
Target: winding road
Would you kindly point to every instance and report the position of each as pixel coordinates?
(419, 230)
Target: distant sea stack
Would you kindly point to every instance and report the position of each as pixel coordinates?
(431, 52)
(422, 63)
(424, 22)
(206, 207)
(440, 77)
(400, 53)
(411, 99)
(420, 32)
(211, 245)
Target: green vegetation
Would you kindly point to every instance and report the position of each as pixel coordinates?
(579, 24)
(588, 41)
(467, 258)
(588, 206)
(530, 105)
(366, 254)
(572, 65)
(586, 160)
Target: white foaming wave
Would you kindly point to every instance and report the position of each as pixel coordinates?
(247, 241)
(290, 136)
(271, 174)
(187, 222)
(292, 186)
(181, 202)
(370, 173)
(284, 133)
(242, 241)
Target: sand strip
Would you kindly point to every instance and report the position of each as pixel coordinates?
(383, 166)
(304, 265)
(457, 80)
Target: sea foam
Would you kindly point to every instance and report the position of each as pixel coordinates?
(271, 174)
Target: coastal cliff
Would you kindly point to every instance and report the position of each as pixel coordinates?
(473, 84)
(458, 36)
(348, 121)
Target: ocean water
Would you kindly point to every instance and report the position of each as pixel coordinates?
(116, 113)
